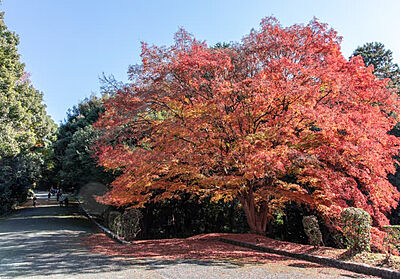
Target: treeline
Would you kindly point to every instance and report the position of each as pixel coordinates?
(26, 131)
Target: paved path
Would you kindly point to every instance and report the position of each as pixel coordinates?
(44, 242)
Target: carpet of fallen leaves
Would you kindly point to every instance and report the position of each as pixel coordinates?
(206, 248)
(285, 245)
(374, 259)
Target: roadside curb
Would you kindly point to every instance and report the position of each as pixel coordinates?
(106, 231)
(355, 267)
(5, 214)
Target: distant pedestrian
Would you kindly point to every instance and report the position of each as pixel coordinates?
(66, 201)
(34, 201)
(61, 199)
(49, 195)
(59, 193)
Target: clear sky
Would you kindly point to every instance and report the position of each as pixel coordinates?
(68, 44)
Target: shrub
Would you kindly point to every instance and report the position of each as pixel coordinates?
(311, 228)
(392, 240)
(188, 216)
(130, 221)
(114, 222)
(356, 226)
(127, 224)
(377, 240)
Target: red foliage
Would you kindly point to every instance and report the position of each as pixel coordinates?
(280, 117)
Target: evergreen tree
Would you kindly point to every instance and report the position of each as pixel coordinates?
(375, 54)
(26, 131)
(73, 157)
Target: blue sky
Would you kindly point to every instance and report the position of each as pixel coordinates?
(68, 44)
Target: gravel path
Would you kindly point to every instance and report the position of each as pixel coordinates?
(45, 242)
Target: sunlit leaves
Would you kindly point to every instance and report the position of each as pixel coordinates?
(281, 116)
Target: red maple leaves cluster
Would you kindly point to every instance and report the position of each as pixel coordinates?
(281, 116)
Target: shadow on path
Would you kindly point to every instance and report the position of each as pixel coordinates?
(47, 241)
(57, 242)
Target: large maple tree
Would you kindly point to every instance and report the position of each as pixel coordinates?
(281, 116)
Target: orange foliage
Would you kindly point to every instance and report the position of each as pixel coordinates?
(281, 116)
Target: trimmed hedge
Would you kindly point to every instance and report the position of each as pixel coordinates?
(392, 240)
(311, 228)
(356, 226)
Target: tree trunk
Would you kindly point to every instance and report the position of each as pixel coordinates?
(257, 215)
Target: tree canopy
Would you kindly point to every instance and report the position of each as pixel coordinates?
(376, 55)
(281, 116)
(73, 156)
(26, 131)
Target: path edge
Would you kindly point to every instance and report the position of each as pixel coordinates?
(5, 214)
(105, 230)
(355, 267)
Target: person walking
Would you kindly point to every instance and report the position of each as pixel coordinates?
(62, 199)
(34, 200)
(59, 193)
(66, 201)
